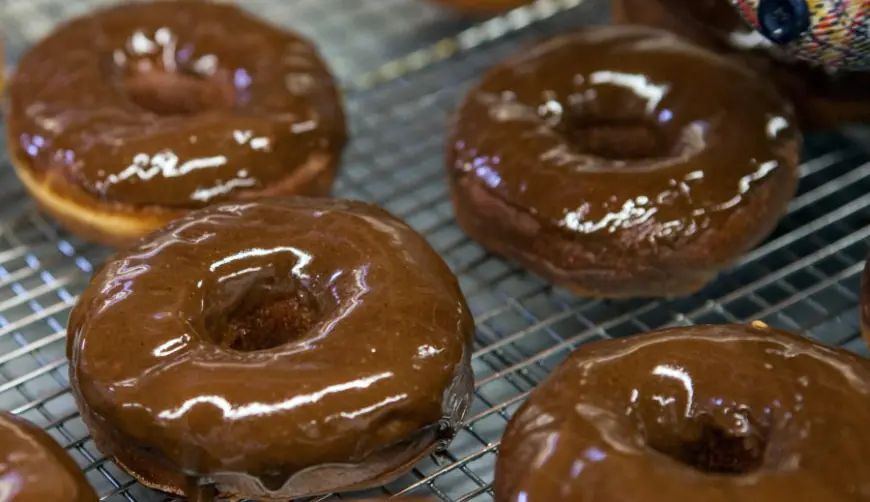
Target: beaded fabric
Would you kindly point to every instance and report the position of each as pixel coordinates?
(834, 34)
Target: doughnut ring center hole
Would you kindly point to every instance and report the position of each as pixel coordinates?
(263, 316)
(615, 138)
(710, 448)
(179, 92)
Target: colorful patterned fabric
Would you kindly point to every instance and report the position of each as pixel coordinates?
(838, 34)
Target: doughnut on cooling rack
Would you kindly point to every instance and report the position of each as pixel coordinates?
(405, 69)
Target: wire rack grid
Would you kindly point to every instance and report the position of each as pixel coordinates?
(804, 278)
(355, 36)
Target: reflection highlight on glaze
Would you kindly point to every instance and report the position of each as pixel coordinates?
(347, 303)
(231, 412)
(633, 213)
(239, 273)
(745, 183)
(636, 83)
(303, 258)
(683, 377)
(428, 351)
(374, 407)
(165, 164)
(122, 287)
(207, 194)
(10, 485)
(549, 444)
(776, 125)
(172, 346)
(257, 143)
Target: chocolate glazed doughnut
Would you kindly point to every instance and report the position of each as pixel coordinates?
(272, 350)
(34, 468)
(122, 120)
(622, 162)
(822, 99)
(710, 413)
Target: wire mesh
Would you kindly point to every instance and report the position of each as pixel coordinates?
(804, 278)
(380, 31)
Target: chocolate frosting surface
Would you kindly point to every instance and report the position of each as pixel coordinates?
(269, 337)
(173, 103)
(723, 413)
(713, 133)
(34, 467)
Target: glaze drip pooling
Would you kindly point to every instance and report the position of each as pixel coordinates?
(723, 413)
(276, 349)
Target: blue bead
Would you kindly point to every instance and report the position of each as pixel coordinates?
(783, 21)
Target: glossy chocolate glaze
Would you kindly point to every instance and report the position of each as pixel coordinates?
(724, 413)
(363, 361)
(631, 146)
(34, 468)
(174, 104)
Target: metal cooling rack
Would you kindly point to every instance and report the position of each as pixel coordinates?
(356, 36)
(804, 278)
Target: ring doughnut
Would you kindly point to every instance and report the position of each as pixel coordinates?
(271, 350)
(34, 467)
(124, 119)
(713, 413)
(622, 161)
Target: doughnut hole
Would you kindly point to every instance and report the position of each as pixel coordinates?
(615, 138)
(275, 323)
(712, 449)
(262, 316)
(168, 93)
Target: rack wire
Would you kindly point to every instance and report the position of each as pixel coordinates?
(804, 278)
